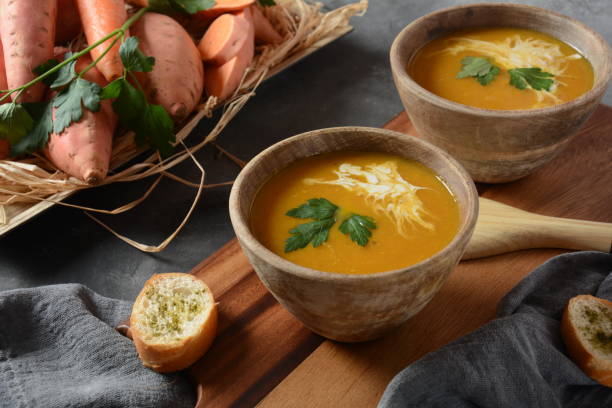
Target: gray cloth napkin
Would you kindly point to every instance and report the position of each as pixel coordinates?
(59, 348)
(518, 359)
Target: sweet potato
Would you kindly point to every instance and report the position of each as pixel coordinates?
(220, 7)
(99, 18)
(226, 6)
(3, 83)
(5, 147)
(177, 79)
(83, 149)
(224, 38)
(264, 31)
(68, 21)
(223, 80)
(28, 33)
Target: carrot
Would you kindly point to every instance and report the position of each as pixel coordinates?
(28, 33)
(83, 149)
(264, 31)
(177, 79)
(223, 80)
(68, 21)
(224, 38)
(99, 18)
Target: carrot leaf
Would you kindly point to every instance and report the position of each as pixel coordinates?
(38, 135)
(69, 103)
(15, 122)
(133, 59)
(267, 3)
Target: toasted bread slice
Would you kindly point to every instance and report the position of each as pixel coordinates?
(587, 331)
(173, 321)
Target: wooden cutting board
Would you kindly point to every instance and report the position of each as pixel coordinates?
(262, 355)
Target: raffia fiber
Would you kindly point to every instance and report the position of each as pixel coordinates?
(302, 25)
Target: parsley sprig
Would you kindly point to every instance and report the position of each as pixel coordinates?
(27, 125)
(358, 228)
(535, 78)
(521, 78)
(150, 123)
(323, 212)
(479, 68)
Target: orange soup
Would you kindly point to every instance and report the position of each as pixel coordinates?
(502, 68)
(355, 213)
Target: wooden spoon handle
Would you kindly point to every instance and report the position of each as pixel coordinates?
(501, 228)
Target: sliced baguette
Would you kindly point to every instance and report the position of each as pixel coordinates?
(587, 331)
(173, 321)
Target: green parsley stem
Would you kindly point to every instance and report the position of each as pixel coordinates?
(95, 62)
(118, 33)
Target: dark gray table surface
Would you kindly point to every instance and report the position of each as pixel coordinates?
(346, 83)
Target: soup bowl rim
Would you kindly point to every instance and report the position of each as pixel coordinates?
(398, 66)
(246, 237)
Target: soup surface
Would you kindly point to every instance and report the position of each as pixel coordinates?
(513, 54)
(414, 213)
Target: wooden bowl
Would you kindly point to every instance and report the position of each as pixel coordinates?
(494, 145)
(340, 306)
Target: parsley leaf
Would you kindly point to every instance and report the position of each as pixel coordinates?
(151, 123)
(267, 3)
(479, 68)
(324, 214)
(180, 6)
(112, 90)
(60, 78)
(15, 122)
(37, 137)
(358, 228)
(133, 59)
(317, 208)
(316, 232)
(532, 77)
(69, 103)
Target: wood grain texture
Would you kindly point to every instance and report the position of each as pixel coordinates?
(578, 184)
(501, 229)
(258, 342)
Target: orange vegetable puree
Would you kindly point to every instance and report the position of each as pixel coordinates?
(436, 65)
(411, 225)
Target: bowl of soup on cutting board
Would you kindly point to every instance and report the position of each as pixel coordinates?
(502, 87)
(353, 229)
